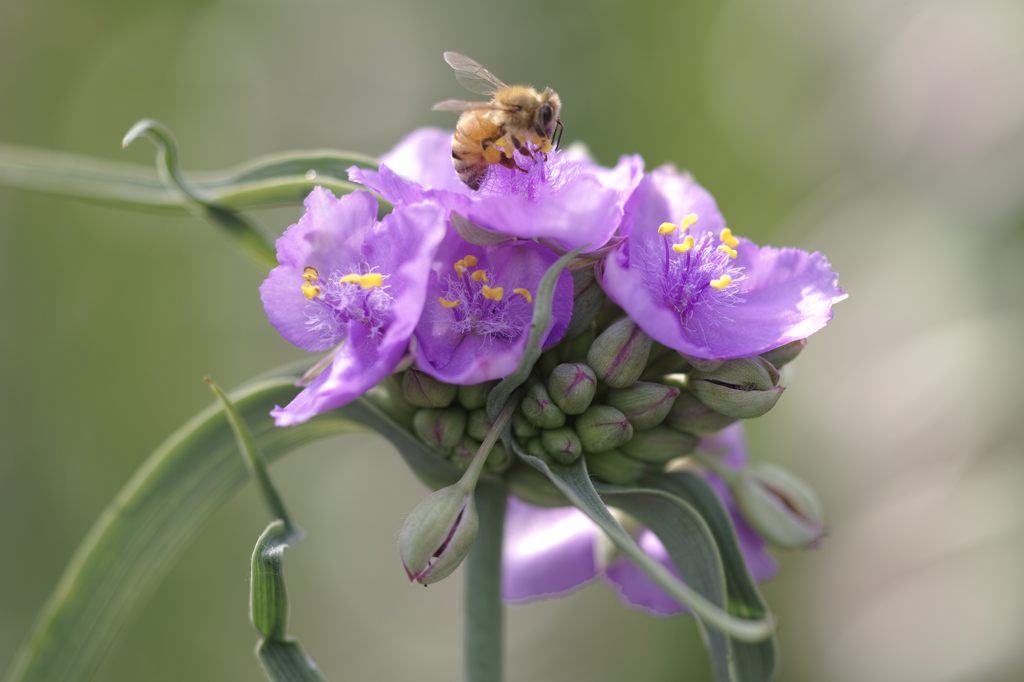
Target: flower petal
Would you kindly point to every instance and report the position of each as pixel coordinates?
(635, 589)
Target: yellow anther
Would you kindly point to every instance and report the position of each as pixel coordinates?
(310, 290)
(372, 280)
(310, 273)
(460, 266)
(349, 279)
(685, 246)
(525, 293)
(446, 303)
(687, 221)
(494, 294)
(721, 283)
(666, 228)
(470, 261)
(479, 276)
(732, 252)
(726, 236)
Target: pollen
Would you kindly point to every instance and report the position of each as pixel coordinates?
(666, 228)
(505, 145)
(722, 282)
(310, 290)
(479, 276)
(371, 280)
(494, 294)
(525, 293)
(732, 252)
(310, 274)
(545, 146)
(726, 236)
(460, 266)
(492, 155)
(685, 246)
(687, 221)
(446, 303)
(470, 261)
(349, 279)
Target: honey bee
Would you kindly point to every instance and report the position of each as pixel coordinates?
(487, 132)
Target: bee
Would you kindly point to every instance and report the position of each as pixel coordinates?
(487, 132)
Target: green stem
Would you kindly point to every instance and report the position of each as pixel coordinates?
(484, 622)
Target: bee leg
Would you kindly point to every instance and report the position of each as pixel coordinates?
(521, 148)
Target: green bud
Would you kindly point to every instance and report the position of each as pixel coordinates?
(438, 534)
(540, 410)
(475, 396)
(498, 459)
(781, 507)
(393, 401)
(533, 487)
(619, 354)
(703, 365)
(548, 361)
(587, 299)
(575, 349)
(572, 387)
(660, 444)
(563, 444)
(784, 354)
(663, 360)
(612, 466)
(535, 448)
(521, 426)
(463, 452)
(744, 388)
(478, 425)
(423, 390)
(644, 404)
(603, 428)
(691, 415)
(440, 428)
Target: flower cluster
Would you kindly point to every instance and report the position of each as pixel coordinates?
(667, 330)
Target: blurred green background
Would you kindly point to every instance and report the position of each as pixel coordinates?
(889, 134)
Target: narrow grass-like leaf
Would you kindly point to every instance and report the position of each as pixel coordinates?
(287, 662)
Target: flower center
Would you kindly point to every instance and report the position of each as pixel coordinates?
(532, 172)
(478, 305)
(333, 302)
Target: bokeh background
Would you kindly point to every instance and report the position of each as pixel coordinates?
(889, 134)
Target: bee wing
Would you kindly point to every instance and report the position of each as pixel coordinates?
(461, 105)
(472, 76)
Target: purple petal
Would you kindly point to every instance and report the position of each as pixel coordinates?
(547, 552)
(636, 589)
(425, 157)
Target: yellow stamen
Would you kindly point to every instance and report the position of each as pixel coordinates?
(349, 279)
(310, 273)
(666, 228)
(687, 221)
(310, 290)
(685, 246)
(479, 276)
(524, 293)
(493, 294)
(371, 281)
(721, 283)
(732, 252)
(726, 236)
(448, 304)
(460, 266)
(470, 261)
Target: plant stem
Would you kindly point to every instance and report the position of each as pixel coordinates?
(485, 614)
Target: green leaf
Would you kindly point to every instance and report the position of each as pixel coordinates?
(154, 517)
(287, 662)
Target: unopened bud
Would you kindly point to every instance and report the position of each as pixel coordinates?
(438, 534)
(563, 444)
(691, 415)
(533, 487)
(576, 348)
(463, 452)
(440, 428)
(703, 364)
(660, 444)
(548, 361)
(784, 354)
(572, 387)
(613, 466)
(498, 459)
(475, 396)
(619, 354)
(780, 506)
(540, 409)
(602, 428)
(663, 360)
(479, 424)
(644, 404)
(535, 448)
(423, 390)
(521, 426)
(587, 299)
(744, 388)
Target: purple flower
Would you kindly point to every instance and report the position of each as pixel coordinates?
(345, 278)
(476, 321)
(566, 197)
(693, 286)
(551, 552)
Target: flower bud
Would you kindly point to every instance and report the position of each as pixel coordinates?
(784, 354)
(540, 410)
(587, 299)
(619, 354)
(644, 404)
(563, 444)
(423, 390)
(440, 428)
(663, 360)
(548, 361)
(463, 452)
(438, 534)
(702, 364)
(613, 466)
(535, 448)
(498, 459)
(475, 396)
(533, 487)
(521, 426)
(572, 387)
(602, 428)
(691, 415)
(479, 424)
(576, 349)
(744, 388)
(660, 444)
(780, 506)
